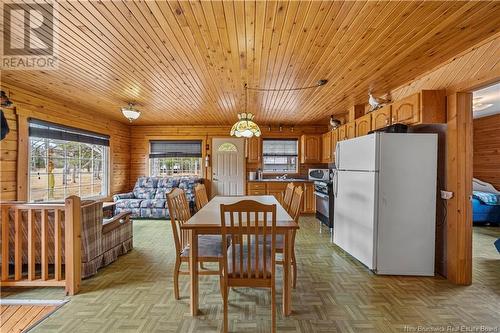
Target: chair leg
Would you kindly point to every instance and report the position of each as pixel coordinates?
(176, 277)
(273, 308)
(294, 268)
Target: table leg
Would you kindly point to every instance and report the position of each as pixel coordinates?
(287, 276)
(193, 268)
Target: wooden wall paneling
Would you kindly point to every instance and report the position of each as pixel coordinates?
(8, 158)
(459, 181)
(28, 104)
(487, 149)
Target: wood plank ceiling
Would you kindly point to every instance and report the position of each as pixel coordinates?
(186, 62)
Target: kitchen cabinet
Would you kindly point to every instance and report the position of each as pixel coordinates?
(277, 189)
(425, 107)
(382, 117)
(342, 133)
(310, 148)
(309, 199)
(326, 143)
(351, 130)
(363, 125)
(254, 149)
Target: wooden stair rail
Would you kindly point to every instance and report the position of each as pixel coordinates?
(70, 276)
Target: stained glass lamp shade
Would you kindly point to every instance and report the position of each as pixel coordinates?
(245, 126)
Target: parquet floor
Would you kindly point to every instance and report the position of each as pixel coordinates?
(18, 318)
(334, 294)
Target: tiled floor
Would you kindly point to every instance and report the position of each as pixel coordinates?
(334, 293)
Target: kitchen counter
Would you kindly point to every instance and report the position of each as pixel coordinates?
(287, 180)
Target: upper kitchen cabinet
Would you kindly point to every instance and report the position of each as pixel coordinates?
(310, 148)
(425, 107)
(351, 130)
(382, 117)
(363, 124)
(254, 149)
(342, 132)
(326, 152)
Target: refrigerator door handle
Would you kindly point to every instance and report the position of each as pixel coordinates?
(335, 183)
(337, 156)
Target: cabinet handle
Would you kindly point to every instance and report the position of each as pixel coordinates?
(387, 121)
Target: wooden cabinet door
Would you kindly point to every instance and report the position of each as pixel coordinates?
(363, 125)
(382, 117)
(311, 148)
(277, 189)
(309, 198)
(326, 142)
(342, 133)
(407, 110)
(351, 130)
(254, 145)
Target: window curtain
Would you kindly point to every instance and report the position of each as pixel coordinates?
(175, 148)
(47, 130)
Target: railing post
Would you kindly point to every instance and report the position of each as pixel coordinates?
(72, 244)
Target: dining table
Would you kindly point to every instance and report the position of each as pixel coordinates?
(207, 221)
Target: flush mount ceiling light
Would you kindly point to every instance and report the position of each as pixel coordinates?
(130, 112)
(245, 126)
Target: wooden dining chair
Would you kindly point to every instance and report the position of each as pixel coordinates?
(287, 199)
(294, 211)
(209, 246)
(200, 196)
(249, 262)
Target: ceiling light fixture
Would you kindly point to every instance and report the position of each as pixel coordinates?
(130, 112)
(245, 126)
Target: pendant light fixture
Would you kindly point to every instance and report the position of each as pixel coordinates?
(130, 112)
(245, 126)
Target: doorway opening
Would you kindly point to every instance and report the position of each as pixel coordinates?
(486, 177)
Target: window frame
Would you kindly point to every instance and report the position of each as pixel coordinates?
(151, 158)
(297, 163)
(106, 182)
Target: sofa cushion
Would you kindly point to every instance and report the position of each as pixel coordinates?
(129, 203)
(154, 213)
(144, 192)
(161, 192)
(146, 182)
(154, 203)
(168, 182)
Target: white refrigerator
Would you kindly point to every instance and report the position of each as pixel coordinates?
(385, 201)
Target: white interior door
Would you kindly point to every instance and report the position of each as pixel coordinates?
(228, 158)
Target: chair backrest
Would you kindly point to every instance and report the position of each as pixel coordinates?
(248, 223)
(294, 209)
(287, 199)
(200, 196)
(179, 214)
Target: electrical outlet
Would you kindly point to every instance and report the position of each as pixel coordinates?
(446, 195)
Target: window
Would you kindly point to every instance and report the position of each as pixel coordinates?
(66, 161)
(280, 155)
(175, 158)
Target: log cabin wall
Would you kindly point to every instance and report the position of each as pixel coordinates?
(486, 151)
(141, 135)
(14, 151)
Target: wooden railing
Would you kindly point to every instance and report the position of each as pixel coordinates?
(19, 273)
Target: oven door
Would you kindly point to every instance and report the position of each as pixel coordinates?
(322, 206)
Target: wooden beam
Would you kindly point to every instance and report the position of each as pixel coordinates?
(22, 156)
(459, 181)
(72, 244)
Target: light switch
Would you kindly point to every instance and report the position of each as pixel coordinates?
(447, 195)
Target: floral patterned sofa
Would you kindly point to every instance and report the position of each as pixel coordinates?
(148, 199)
